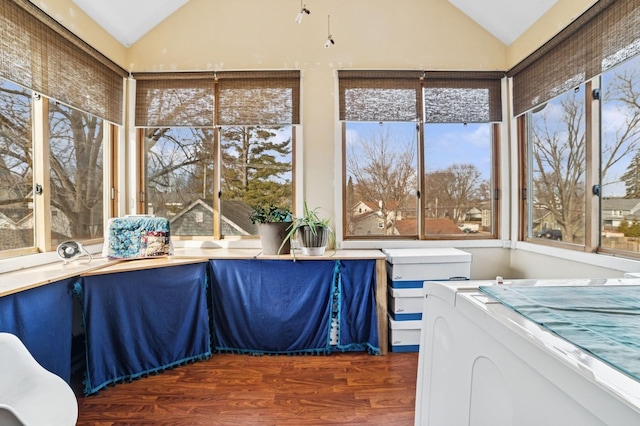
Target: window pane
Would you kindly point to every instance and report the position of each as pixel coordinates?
(620, 204)
(179, 178)
(16, 172)
(381, 179)
(76, 160)
(458, 180)
(257, 169)
(557, 169)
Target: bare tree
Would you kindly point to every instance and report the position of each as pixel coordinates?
(452, 192)
(559, 165)
(179, 167)
(76, 160)
(16, 174)
(75, 140)
(382, 171)
(559, 151)
(624, 93)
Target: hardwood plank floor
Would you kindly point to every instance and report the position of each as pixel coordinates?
(227, 389)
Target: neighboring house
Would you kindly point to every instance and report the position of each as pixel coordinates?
(368, 218)
(12, 238)
(615, 210)
(373, 224)
(16, 225)
(363, 207)
(370, 223)
(197, 219)
(473, 214)
(543, 221)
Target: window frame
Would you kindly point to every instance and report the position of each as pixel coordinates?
(58, 66)
(607, 32)
(441, 79)
(218, 82)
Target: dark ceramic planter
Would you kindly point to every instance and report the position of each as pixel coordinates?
(310, 244)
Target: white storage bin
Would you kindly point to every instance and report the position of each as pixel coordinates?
(404, 336)
(409, 268)
(405, 304)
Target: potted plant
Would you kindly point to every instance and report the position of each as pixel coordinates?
(273, 223)
(311, 232)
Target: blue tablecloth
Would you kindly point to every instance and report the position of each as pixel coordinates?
(142, 322)
(602, 320)
(41, 317)
(287, 307)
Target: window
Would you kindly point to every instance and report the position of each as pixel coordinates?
(579, 116)
(76, 149)
(459, 180)
(620, 169)
(16, 168)
(381, 168)
(69, 183)
(56, 95)
(216, 146)
(179, 178)
(557, 160)
(389, 191)
(256, 168)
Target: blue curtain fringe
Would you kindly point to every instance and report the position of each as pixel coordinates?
(90, 390)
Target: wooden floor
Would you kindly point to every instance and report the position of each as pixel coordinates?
(340, 389)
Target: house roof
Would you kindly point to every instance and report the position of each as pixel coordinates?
(234, 212)
(629, 204)
(238, 212)
(439, 226)
(406, 226)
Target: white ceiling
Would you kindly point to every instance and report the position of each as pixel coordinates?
(140, 16)
(505, 19)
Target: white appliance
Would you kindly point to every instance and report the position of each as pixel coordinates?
(481, 363)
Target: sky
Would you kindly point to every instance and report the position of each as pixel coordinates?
(445, 144)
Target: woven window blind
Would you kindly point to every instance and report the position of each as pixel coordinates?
(180, 99)
(379, 95)
(258, 98)
(604, 36)
(462, 97)
(40, 54)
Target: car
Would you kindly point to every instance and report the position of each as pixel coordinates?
(551, 234)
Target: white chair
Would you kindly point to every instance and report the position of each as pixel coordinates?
(29, 394)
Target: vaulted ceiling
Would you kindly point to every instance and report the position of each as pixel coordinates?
(505, 19)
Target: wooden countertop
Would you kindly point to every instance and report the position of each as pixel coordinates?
(25, 279)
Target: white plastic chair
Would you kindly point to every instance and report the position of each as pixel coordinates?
(29, 394)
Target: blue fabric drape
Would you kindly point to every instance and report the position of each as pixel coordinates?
(602, 320)
(358, 317)
(271, 306)
(141, 322)
(286, 307)
(41, 317)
